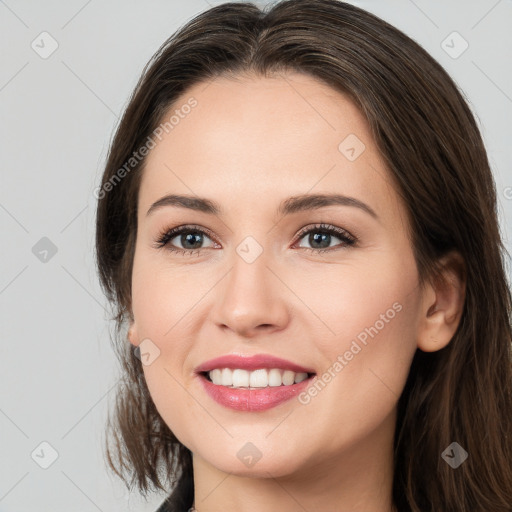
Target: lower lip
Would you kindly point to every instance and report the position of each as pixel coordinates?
(253, 400)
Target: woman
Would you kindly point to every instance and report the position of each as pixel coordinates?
(371, 372)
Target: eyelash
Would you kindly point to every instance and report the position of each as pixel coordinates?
(166, 236)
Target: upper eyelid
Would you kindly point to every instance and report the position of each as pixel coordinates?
(324, 226)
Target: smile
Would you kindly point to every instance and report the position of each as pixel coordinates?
(261, 378)
(253, 383)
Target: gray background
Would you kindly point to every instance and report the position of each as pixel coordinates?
(57, 118)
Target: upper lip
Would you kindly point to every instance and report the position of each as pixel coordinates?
(254, 362)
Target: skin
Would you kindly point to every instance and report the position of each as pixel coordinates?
(250, 143)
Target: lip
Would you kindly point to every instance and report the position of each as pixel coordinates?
(252, 400)
(255, 362)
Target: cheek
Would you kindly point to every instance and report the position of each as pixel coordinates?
(364, 299)
(168, 392)
(163, 301)
(368, 335)
(366, 361)
(161, 296)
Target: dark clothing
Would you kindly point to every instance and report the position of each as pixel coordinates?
(164, 507)
(181, 498)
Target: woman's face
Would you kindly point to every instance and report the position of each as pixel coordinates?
(251, 285)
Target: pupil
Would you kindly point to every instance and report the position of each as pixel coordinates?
(195, 239)
(189, 238)
(316, 238)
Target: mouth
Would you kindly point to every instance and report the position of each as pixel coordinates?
(239, 378)
(254, 383)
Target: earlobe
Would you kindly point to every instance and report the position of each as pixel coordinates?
(132, 335)
(443, 305)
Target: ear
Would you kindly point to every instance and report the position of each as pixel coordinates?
(443, 303)
(133, 336)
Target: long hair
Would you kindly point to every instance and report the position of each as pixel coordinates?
(433, 149)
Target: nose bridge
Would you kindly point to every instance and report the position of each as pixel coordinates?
(249, 267)
(251, 296)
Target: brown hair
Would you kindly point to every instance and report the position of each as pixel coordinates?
(431, 144)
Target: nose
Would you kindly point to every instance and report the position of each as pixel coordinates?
(252, 299)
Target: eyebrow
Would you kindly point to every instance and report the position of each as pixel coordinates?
(289, 206)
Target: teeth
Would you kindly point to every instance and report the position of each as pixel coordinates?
(258, 379)
(227, 377)
(274, 377)
(299, 377)
(261, 378)
(216, 376)
(288, 378)
(240, 378)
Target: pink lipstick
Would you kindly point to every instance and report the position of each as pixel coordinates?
(253, 383)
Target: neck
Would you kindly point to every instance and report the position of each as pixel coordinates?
(358, 478)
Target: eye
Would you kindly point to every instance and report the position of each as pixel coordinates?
(191, 238)
(322, 234)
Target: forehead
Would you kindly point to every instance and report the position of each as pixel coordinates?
(255, 138)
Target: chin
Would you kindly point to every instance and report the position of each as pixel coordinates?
(252, 459)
